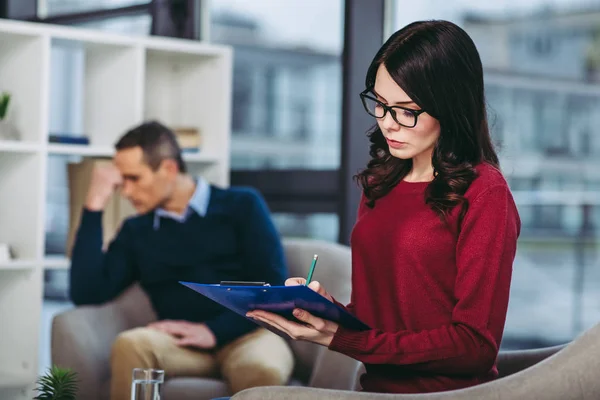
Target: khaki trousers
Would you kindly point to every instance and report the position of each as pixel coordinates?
(259, 358)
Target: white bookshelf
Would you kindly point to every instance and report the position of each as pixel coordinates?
(126, 80)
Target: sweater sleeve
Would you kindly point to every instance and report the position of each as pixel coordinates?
(349, 307)
(264, 261)
(97, 276)
(469, 344)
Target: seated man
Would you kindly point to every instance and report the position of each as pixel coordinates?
(185, 230)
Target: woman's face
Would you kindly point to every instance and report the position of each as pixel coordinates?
(404, 143)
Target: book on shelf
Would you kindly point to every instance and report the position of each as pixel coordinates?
(189, 139)
(68, 139)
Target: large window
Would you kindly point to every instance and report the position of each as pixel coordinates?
(287, 106)
(287, 81)
(543, 91)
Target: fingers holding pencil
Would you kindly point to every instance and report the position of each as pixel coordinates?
(314, 285)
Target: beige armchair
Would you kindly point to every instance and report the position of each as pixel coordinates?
(567, 372)
(82, 337)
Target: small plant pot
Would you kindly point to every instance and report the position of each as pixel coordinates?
(8, 131)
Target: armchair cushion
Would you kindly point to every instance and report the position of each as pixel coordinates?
(194, 388)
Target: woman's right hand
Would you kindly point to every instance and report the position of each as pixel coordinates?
(314, 285)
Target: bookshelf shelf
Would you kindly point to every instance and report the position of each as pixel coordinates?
(80, 150)
(13, 380)
(13, 146)
(107, 152)
(18, 264)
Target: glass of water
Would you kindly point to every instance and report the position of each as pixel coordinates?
(146, 384)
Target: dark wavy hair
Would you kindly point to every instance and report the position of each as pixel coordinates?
(438, 66)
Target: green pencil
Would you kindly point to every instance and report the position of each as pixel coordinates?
(312, 269)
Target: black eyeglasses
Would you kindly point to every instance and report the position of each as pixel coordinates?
(406, 117)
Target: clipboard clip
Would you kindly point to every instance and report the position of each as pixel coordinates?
(243, 283)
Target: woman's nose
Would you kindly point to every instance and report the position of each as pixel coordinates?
(389, 123)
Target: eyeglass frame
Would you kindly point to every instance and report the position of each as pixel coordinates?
(365, 95)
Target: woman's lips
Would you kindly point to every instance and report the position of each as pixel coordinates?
(395, 144)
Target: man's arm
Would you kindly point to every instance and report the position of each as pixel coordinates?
(97, 277)
(263, 257)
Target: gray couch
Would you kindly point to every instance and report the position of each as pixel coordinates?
(82, 337)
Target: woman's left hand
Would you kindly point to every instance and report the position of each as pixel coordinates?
(314, 329)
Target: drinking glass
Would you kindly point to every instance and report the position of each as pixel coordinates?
(146, 383)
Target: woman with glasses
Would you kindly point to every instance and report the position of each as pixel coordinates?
(436, 234)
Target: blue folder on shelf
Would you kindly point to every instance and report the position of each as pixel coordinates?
(281, 300)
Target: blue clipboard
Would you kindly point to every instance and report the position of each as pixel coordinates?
(281, 300)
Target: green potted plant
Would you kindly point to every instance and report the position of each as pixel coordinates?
(4, 102)
(57, 384)
(7, 130)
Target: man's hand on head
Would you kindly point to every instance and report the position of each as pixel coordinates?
(105, 180)
(187, 333)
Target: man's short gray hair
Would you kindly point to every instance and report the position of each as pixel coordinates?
(158, 143)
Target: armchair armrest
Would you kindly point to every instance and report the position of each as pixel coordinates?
(82, 337)
(304, 393)
(510, 362)
(334, 370)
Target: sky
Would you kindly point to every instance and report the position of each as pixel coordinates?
(319, 23)
(452, 9)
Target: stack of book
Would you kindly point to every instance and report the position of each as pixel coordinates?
(189, 139)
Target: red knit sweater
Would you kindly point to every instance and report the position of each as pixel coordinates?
(436, 299)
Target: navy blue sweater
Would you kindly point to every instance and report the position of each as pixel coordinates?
(235, 240)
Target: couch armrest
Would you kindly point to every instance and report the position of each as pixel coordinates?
(82, 337)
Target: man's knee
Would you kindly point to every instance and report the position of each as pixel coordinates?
(259, 359)
(135, 343)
